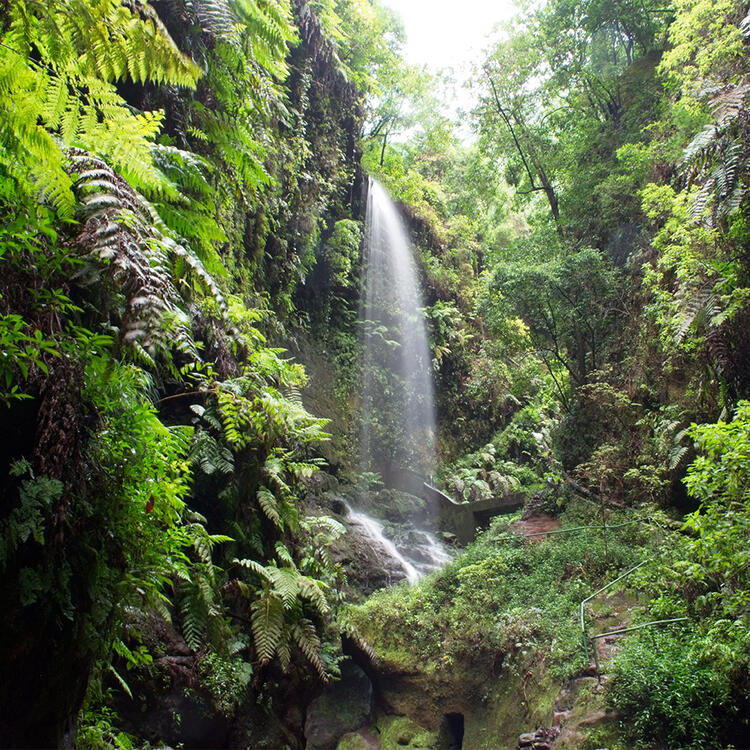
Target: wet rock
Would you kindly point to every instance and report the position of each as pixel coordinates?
(346, 706)
(320, 482)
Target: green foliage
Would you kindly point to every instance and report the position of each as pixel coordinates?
(719, 478)
(502, 599)
(144, 148)
(672, 690)
(683, 686)
(706, 42)
(28, 520)
(568, 306)
(482, 475)
(226, 679)
(341, 251)
(99, 732)
(60, 68)
(277, 612)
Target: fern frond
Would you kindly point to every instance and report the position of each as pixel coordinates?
(311, 589)
(285, 584)
(217, 18)
(676, 455)
(283, 555)
(267, 30)
(283, 651)
(306, 638)
(269, 506)
(119, 230)
(696, 305)
(267, 624)
(255, 567)
(194, 614)
(347, 628)
(210, 455)
(335, 529)
(729, 104)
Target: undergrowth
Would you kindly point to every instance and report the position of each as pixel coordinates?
(506, 599)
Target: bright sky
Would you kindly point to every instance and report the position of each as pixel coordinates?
(449, 33)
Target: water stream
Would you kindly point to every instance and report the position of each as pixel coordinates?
(398, 419)
(373, 530)
(422, 555)
(398, 412)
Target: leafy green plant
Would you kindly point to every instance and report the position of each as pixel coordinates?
(667, 684)
(503, 600)
(226, 678)
(60, 68)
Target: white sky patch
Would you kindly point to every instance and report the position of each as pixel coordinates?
(450, 35)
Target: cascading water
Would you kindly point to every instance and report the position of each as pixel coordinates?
(424, 553)
(373, 530)
(398, 413)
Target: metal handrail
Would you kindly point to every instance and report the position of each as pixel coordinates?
(584, 636)
(580, 528)
(620, 631)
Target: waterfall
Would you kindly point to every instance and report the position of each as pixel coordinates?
(398, 414)
(423, 555)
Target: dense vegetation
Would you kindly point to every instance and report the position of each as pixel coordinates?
(181, 196)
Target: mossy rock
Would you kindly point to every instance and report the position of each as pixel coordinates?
(344, 707)
(399, 732)
(391, 733)
(355, 741)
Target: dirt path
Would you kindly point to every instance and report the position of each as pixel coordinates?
(537, 525)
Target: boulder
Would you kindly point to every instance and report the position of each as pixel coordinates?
(341, 709)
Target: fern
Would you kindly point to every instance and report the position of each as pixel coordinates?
(270, 507)
(198, 589)
(310, 590)
(349, 629)
(277, 615)
(695, 307)
(283, 554)
(718, 158)
(285, 583)
(194, 611)
(305, 636)
(119, 231)
(267, 622)
(60, 64)
(210, 455)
